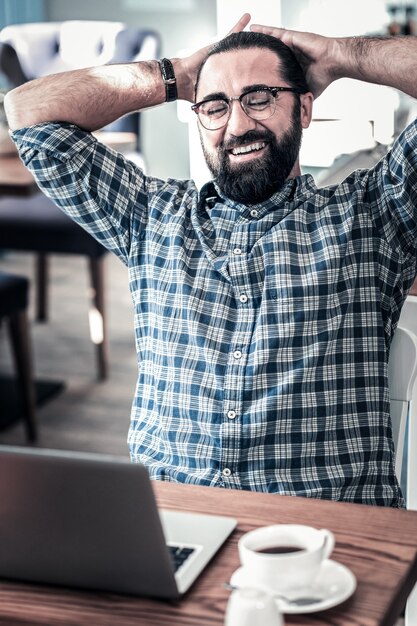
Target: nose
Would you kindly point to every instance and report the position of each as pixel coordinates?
(239, 123)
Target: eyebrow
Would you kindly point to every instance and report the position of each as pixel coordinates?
(254, 87)
(221, 95)
(217, 95)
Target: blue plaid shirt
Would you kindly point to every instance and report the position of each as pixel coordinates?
(262, 331)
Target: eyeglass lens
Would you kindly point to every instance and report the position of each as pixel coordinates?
(258, 105)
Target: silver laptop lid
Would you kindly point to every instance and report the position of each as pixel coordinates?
(91, 521)
(81, 520)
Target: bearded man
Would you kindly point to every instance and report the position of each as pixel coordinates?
(264, 306)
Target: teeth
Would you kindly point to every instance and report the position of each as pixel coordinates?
(253, 147)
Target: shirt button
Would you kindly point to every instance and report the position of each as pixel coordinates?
(237, 354)
(237, 251)
(227, 472)
(254, 213)
(231, 415)
(243, 298)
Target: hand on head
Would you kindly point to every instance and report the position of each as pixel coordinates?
(313, 52)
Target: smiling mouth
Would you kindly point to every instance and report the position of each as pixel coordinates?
(251, 147)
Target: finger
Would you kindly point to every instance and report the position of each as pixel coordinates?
(268, 30)
(241, 24)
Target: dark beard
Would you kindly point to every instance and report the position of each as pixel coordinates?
(257, 180)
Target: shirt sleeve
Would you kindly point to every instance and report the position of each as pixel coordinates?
(97, 187)
(392, 193)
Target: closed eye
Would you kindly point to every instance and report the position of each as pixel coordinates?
(214, 108)
(257, 100)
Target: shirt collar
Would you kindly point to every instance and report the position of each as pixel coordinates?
(295, 190)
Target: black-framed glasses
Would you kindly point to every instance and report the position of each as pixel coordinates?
(258, 103)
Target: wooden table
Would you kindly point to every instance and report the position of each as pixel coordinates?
(379, 545)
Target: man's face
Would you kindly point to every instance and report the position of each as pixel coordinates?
(271, 145)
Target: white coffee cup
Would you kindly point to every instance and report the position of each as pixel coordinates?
(252, 607)
(286, 556)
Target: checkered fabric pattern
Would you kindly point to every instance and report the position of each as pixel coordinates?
(262, 331)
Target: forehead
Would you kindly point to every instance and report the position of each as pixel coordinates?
(230, 72)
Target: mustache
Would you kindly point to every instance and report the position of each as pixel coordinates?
(248, 137)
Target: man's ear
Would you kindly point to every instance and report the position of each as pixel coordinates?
(306, 100)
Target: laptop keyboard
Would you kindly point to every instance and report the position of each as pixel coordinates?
(179, 555)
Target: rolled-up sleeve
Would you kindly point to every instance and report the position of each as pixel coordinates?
(100, 189)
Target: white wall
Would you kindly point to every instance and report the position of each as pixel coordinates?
(335, 18)
(350, 115)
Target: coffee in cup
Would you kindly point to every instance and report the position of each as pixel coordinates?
(285, 557)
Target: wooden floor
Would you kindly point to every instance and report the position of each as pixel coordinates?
(88, 415)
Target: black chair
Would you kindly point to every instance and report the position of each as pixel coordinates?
(13, 309)
(35, 224)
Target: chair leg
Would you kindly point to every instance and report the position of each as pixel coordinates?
(42, 287)
(19, 335)
(98, 321)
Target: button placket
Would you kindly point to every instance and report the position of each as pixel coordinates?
(231, 428)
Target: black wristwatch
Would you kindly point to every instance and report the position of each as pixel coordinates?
(170, 81)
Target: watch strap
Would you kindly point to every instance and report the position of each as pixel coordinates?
(168, 76)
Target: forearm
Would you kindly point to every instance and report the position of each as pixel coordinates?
(390, 61)
(89, 98)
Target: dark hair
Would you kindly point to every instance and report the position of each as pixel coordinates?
(288, 64)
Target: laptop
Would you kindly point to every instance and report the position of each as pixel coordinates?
(91, 521)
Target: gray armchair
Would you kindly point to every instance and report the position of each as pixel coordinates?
(28, 51)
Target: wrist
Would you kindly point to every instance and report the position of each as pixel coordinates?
(185, 83)
(345, 57)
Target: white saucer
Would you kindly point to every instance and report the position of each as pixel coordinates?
(335, 583)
